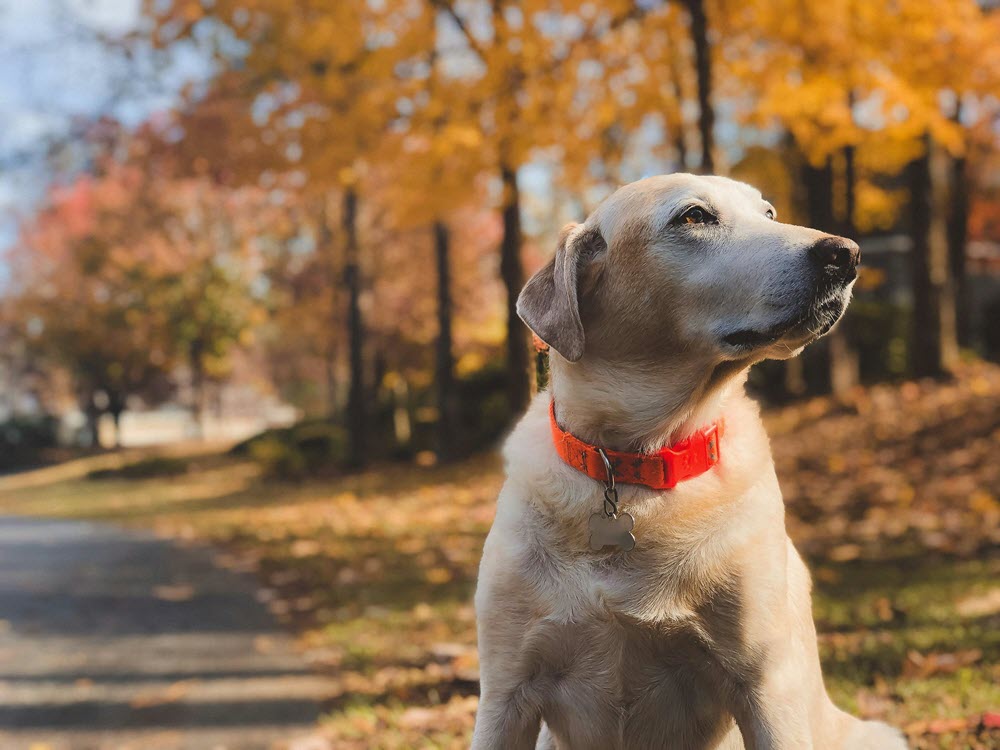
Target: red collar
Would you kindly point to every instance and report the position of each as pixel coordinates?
(662, 470)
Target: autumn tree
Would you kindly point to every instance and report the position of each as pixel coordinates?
(86, 302)
(323, 80)
(945, 56)
(222, 143)
(128, 274)
(208, 282)
(440, 145)
(947, 60)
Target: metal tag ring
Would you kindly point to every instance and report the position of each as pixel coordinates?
(611, 502)
(608, 469)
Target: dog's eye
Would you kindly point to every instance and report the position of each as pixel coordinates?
(769, 214)
(695, 215)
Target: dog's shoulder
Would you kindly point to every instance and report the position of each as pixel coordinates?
(530, 442)
(537, 547)
(536, 475)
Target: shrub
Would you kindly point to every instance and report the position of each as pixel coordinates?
(147, 468)
(484, 413)
(23, 441)
(305, 449)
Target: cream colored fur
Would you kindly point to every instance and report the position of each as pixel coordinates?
(702, 636)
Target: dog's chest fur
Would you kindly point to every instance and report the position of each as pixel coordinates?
(609, 681)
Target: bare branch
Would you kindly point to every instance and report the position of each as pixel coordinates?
(448, 8)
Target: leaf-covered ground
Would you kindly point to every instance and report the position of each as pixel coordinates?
(892, 497)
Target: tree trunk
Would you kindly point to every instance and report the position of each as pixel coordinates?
(958, 223)
(703, 65)
(819, 195)
(195, 362)
(356, 418)
(401, 423)
(932, 339)
(444, 364)
(512, 273)
(679, 136)
(116, 406)
(116, 417)
(843, 358)
(92, 415)
(330, 376)
(850, 191)
(328, 253)
(841, 361)
(940, 176)
(816, 187)
(93, 429)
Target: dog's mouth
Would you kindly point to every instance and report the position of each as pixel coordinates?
(751, 338)
(804, 328)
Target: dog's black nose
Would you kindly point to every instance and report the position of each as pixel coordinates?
(836, 252)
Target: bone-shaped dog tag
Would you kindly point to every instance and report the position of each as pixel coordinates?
(606, 531)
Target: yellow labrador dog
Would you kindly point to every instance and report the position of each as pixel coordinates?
(638, 588)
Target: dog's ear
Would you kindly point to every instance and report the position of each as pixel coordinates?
(549, 303)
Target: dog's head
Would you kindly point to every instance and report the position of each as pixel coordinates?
(688, 266)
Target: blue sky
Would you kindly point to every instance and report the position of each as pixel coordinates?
(54, 70)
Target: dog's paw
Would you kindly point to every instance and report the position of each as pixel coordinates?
(545, 739)
(612, 532)
(874, 735)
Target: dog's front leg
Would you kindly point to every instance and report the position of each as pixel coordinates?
(772, 707)
(509, 713)
(505, 722)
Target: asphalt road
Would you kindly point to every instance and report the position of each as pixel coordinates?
(113, 639)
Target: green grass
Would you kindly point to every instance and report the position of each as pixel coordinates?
(877, 620)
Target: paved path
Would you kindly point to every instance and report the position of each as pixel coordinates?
(112, 639)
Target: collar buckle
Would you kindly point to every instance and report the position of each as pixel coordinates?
(692, 456)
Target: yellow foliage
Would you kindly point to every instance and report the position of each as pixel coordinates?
(878, 208)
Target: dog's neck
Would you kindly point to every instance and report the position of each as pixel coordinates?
(638, 408)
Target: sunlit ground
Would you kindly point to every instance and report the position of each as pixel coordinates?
(893, 499)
